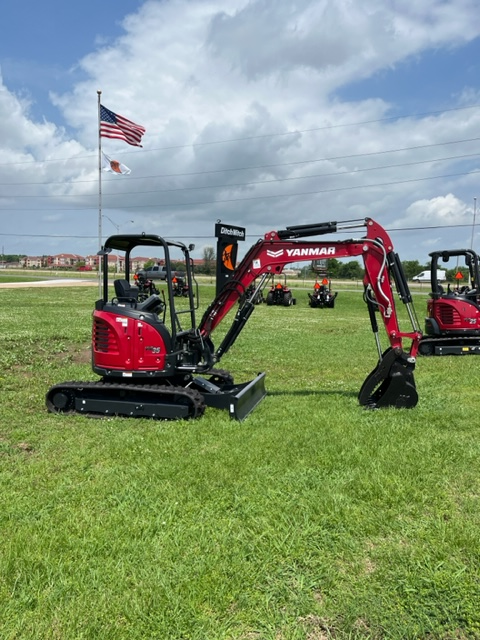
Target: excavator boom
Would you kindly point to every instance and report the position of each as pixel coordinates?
(391, 382)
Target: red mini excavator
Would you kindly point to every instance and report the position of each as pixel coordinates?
(155, 361)
(452, 325)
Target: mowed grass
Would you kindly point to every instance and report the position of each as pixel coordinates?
(312, 519)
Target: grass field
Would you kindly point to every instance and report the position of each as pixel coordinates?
(313, 519)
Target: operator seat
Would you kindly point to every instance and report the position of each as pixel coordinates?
(124, 291)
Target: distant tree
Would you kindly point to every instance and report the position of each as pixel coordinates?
(332, 267)
(351, 270)
(13, 257)
(412, 268)
(305, 272)
(209, 258)
(177, 265)
(452, 273)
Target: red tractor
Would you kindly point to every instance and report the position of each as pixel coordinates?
(452, 325)
(154, 360)
(280, 294)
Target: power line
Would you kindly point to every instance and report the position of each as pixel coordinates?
(264, 197)
(265, 135)
(264, 166)
(259, 182)
(324, 128)
(208, 237)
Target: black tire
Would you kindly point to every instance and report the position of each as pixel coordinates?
(287, 299)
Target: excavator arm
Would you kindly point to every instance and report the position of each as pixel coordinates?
(391, 383)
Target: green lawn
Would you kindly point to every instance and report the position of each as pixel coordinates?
(313, 519)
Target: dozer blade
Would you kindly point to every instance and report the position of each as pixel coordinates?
(391, 383)
(239, 399)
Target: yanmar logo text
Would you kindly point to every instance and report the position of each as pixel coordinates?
(307, 252)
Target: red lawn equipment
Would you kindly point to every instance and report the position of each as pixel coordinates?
(258, 298)
(280, 294)
(322, 296)
(180, 288)
(146, 287)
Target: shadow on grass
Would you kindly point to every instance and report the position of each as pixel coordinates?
(319, 392)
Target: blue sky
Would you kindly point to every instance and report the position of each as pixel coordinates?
(417, 84)
(40, 54)
(259, 113)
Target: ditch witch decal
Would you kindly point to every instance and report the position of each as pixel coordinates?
(227, 239)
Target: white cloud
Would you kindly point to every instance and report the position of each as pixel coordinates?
(204, 72)
(340, 41)
(448, 210)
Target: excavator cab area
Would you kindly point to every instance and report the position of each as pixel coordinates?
(137, 294)
(139, 325)
(452, 323)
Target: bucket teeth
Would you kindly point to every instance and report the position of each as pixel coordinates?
(391, 383)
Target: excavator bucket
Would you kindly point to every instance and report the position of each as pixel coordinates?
(391, 383)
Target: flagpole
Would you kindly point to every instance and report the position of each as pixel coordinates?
(99, 93)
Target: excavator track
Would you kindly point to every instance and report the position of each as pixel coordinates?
(99, 398)
(443, 346)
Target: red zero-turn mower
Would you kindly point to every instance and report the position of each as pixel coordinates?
(452, 325)
(146, 287)
(255, 295)
(180, 288)
(154, 360)
(322, 296)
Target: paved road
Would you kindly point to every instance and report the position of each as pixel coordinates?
(60, 282)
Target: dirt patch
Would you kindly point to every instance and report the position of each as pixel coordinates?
(77, 355)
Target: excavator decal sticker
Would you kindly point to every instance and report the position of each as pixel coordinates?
(274, 254)
(308, 251)
(311, 251)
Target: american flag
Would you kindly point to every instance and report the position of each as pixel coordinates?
(114, 126)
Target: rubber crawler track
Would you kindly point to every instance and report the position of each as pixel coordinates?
(61, 398)
(446, 342)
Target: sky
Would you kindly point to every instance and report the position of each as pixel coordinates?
(261, 114)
